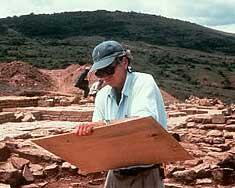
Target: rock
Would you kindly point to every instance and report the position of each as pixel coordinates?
(30, 186)
(224, 176)
(23, 136)
(176, 114)
(42, 184)
(5, 185)
(223, 147)
(97, 181)
(78, 185)
(176, 136)
(19, 163)
(230, 121)
(213, 126)
(204, 119)
(10, 175)
(19, 116)
(35, 167)
(232, 151)
(209, 148)
(202, 171)
(230, 127)
(228, 162)
(28, 117)
(191, 125)
(172, 185)
(69, 168)
(37, 170)
(51, 170)
(228, 135)
(215, 133)
(27, 174)
(218, 118)
(203, 181)
(4, 152)
(171, 169)
(211, 140)
(194, 162)
(220, 106)
(65, 166)
(186, 176)
(36, 155)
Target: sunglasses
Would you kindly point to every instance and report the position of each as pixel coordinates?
(109, 70)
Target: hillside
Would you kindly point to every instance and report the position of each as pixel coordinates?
(185, 58)
(129, 26)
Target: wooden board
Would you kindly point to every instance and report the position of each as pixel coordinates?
(124, 143)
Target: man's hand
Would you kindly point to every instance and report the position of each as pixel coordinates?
(86, 128)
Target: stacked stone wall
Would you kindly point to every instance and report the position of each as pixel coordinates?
(13, 102)
(57, 113)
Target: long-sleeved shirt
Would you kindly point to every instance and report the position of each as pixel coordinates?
(140, 96)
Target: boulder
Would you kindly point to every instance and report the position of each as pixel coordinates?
(27, 174)
(19, 163)
(10, 175)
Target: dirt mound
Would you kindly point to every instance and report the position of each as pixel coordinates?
(19, 78)
(22, 76)
(64, 79)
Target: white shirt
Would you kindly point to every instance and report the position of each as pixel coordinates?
(140, 97)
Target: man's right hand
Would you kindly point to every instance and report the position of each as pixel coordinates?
(86, 128)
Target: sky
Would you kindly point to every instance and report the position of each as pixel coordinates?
(217, 14)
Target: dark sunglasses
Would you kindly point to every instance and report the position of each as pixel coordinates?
(109, 70)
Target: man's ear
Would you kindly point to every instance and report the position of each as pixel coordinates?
(125, 62)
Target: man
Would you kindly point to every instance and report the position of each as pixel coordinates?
(126, 94)
(82, 82)
(95, 87)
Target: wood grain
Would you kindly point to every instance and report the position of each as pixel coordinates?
(124, 143)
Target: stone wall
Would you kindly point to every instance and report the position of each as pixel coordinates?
(77, 114)
(7, 117)
(13, 102)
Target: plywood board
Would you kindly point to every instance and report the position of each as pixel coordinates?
(124, 143)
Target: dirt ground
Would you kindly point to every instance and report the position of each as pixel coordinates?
(204, 127)
(19, 78)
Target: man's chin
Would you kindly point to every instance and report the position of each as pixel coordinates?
(110, 84)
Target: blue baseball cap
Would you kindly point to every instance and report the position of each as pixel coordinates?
(105, 53)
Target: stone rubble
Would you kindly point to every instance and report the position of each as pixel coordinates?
(204, 127)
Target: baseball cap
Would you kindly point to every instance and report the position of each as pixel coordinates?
(105, 53)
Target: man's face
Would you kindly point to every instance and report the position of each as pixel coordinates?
(117, 75)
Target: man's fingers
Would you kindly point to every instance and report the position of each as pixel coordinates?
(83, 129)
(89, 130)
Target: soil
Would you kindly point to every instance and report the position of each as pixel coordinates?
(19, 78)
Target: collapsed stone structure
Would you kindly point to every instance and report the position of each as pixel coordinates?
(205, 129)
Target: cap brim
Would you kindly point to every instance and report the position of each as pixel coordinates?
(102, 63)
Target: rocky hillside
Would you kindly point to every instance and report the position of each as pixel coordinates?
(184, 58)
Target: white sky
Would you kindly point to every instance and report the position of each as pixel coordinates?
(218, 14)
